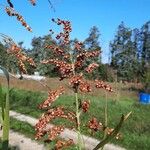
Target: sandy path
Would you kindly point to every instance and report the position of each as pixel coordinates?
(22, 142)
(90, 143)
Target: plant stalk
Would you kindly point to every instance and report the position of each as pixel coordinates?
(77, 109)
(5, 124)
(78, 122)
(106, 116)
(5, 137)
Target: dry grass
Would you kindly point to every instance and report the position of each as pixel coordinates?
(128, 91)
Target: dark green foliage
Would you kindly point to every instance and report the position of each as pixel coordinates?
(7, 61)
(130, 52)
(92, 42)
(39, 52)
(103, 72)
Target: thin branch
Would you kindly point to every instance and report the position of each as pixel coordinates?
(52, 7)
(10, 4)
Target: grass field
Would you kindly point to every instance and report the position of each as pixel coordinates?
(135, 130)
(121, 90)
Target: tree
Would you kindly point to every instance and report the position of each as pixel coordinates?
(145, 47)
(92, 41)
(40, 52)
(6, 60)
(124, 53)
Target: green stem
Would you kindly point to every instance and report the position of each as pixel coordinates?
(77, 109)
(106, 109)
(106, 116)
(78, 122)
(5, 136)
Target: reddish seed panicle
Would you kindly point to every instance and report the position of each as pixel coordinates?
(56, 49)
(109, 132)
(101, 84)
(48, 116)
(54, 132)
(66, 30)
(52, 96)
(63, 144)
(64, 69)
(91, 67)
(78, 46)
(85, 87)
(85, 105)
(21, 57)
(11, 12)
(94, 124)
(76, 80)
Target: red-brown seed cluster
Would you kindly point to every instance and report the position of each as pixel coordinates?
(94, 124)
(56, 49)
(33, 2)
(63, 67)
(71, 116)
(78, 64)
(85, 87)
(14, 49)
(48, 116)
(94, 53)
(101, 84)
(11, 12)
(80, 58)
(109, 132)
(63, 144)
(91, 67)
(66, 56)
(85, 105)
(66, 30)
(76, 80)
(22, 67)
(58, 112)
(98, 126)
(78, 46)
(84, 55)
(52, 96)
(40, 134)
(21, 57)
(54, 132)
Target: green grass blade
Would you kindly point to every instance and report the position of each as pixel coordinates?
(5, 136)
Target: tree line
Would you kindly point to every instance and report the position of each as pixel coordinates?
(129, 50)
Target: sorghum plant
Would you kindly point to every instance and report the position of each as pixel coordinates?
(69, 62)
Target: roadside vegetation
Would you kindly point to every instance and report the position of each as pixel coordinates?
(135, 132)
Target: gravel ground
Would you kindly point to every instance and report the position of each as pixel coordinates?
(23, 143)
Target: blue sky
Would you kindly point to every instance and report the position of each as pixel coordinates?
(105, 14)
